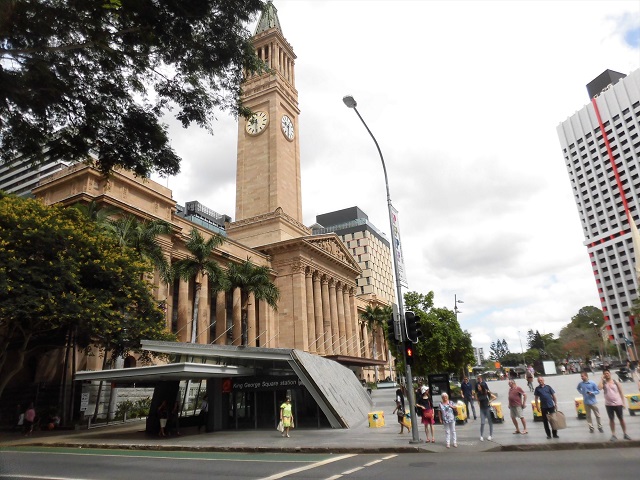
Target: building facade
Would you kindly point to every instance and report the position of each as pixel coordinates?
(601, 149)
(21, 176)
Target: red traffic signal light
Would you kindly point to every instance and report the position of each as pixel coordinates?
(409, 352)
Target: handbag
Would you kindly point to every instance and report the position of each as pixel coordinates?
(280, 427)
(557, 420)
(428, 414)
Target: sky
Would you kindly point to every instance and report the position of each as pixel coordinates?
(464, 98)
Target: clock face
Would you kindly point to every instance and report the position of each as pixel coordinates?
(257, 123)
(287, 127)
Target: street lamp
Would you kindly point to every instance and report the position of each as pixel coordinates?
(350, 102)
(456, 310)
(598, 337)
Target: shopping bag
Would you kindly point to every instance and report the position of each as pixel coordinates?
(557, 420)
(280, 427)
(406, 421)
(292, 426)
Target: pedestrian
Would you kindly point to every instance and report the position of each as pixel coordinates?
(467, 396)
(19, 425)
(163, 415)
(286, 416)
(425, 405)
(447, 415)
(480, 381)
(485, 397)
(530, 374)
(614, 402)
(174, 420)
(563, 370)
(204, 413)
(517, 403)
(29, 419)
(400, 411)
(589, 390)
(546, 403)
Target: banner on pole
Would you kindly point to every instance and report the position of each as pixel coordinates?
(395, 238)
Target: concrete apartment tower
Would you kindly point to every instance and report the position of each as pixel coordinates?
(601, 148)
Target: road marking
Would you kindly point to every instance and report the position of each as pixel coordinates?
(308, 467)
(347, 472)
(353, 470)
(37, 477)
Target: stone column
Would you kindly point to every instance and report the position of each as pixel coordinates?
(184, 311)
(326, 316)
(221, 319)
(203, 311)
(342, 327)
(265, 325)
(318, 340)
(236, 317)
(311, 326)
(355, 321)
(350, 331)
(251, 321)
(300, 332)
(335, 331)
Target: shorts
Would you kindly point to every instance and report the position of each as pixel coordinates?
(163, 422)
(614, 410)
(516, 412)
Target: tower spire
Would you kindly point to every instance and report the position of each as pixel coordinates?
(268, 19)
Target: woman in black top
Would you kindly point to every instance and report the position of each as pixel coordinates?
(485, 397)
(423, 402)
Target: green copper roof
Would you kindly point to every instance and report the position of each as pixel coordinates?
(268, 19)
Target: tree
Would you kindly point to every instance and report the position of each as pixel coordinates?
(58, 273)
(250, 279)
(90, 80)
(374, 319)
(199, 265)
(498, 350)
(444, 346)
(142, 237)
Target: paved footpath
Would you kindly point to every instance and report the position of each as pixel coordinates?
(361, 438)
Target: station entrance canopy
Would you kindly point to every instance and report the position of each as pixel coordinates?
(333, 386)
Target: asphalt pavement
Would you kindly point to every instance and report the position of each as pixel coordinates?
(361, 438)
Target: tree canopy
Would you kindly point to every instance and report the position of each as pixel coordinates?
(81, 77)
(60, 272)
(444, 346)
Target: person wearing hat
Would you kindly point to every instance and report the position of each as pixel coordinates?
(286, 416)
(426, 407)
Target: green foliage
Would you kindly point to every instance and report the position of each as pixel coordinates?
(61, 273)
(137, 409)
(375, 318)
(444, 347)
(498, 350)
(97, 76)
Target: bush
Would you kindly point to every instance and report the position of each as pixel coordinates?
(123, 408)
(141, 407)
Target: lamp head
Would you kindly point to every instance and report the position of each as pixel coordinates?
(349, 101)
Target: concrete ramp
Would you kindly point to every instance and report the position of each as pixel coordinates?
(334, 387)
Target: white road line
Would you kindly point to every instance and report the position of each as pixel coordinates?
(373, 463)
(308, 467)
(36, 477)
(352, 470)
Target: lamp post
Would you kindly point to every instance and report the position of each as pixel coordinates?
(524, 361)
(350, 102)
(598, 337)
(456, 310)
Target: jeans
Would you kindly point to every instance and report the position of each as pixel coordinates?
(545, 421)
(485, 414)
(467, 402)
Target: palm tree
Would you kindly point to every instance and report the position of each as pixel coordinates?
(142, 236)
(197, 266)
(250, 279)
(374, 318)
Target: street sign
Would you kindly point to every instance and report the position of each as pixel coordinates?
(84, 402)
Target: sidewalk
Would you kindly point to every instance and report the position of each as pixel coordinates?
(359, 439)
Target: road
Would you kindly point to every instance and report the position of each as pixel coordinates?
(61, 464)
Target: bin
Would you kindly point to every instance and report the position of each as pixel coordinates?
(496, 412)
(461, 417)
(633, 402)
(580, 410)
(376, 419)
(537, 414)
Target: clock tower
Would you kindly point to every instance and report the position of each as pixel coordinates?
(268, 186)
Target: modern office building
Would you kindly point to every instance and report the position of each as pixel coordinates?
(368, 245)
(21, 176)
(601, 148)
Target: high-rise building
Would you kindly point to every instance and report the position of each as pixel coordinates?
(369, 247)
(21, 176)
(601, 148)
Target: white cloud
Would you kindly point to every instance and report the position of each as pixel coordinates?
(464, 99)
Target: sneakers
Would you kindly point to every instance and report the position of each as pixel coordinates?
(455, 445)
(600, 429)
(482, 439)
(627, 437)
(613, 438)
(489, 437)
(591, 429)
(556, 436)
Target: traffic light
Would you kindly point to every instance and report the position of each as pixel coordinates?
(412, 322)
(391, 329)
(409, 352)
